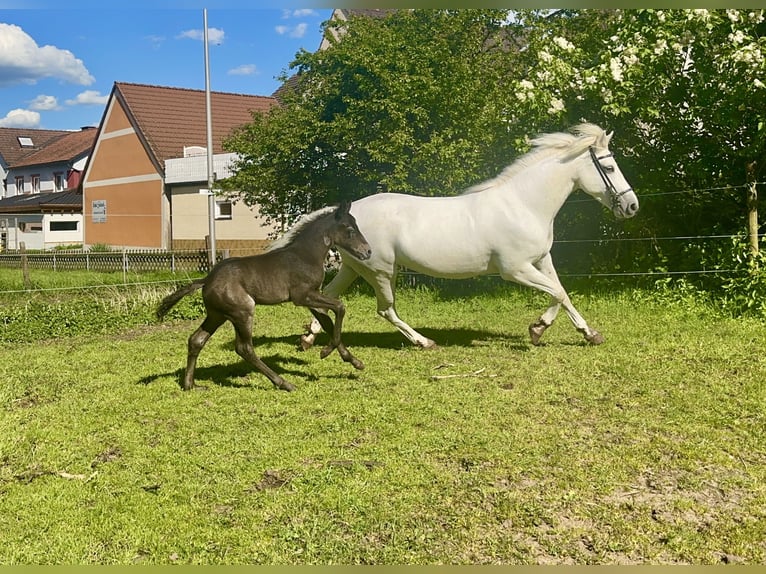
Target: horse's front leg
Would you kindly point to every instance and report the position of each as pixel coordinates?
(318, 301)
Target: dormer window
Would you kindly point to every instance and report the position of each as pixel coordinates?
(194, 151)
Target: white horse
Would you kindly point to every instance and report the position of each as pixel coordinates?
(503, 226)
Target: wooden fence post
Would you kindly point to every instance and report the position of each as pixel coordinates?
(25, 266)
(752, 209)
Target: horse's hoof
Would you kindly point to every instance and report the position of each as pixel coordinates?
(285, 386)
(536, 331)
(429, 345)
(595, 338)
(359, 365)
(306, 342)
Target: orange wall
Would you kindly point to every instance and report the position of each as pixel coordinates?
(133, 215)
(122, 156)
(118, 120)
(122, 173)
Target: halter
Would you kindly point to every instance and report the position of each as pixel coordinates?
(613, 193)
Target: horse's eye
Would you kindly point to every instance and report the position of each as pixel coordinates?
(608, 168)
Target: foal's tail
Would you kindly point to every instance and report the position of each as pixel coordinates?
(169, 302)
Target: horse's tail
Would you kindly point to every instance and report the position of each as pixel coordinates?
(169, 302)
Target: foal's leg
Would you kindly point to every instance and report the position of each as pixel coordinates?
(545, 279)
(197, 340)
(317, 301)
(243, 344)
(342, 281)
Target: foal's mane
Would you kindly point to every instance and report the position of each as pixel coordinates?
(299, 226)
(567, 145)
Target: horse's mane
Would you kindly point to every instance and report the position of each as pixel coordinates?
(568, 145)
(299, 226)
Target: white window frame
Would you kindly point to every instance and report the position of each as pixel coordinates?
(35, 183)
(229, 207)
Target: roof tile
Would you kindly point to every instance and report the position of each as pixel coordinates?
(173, 118)
(67, 147)
(12, 151)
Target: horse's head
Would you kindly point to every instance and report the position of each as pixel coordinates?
(346, 235)
(601, 178)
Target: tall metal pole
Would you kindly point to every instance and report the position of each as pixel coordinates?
(210, 173)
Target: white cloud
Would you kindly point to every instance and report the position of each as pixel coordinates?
(44, 103)
(88, 98)
(20, 119)
(293, 32)
(155, 41)
(300, 13)
(243, 70)
(22, 61)
(214, 35)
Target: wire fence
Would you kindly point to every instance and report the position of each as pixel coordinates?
(195, 262)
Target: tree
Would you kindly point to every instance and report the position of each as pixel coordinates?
(412, 102)
(683, 89)
(430, 101)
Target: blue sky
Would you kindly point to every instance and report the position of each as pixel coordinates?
(58, 66)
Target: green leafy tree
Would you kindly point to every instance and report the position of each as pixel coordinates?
(429, 101)
(684, 90)
(413, 102)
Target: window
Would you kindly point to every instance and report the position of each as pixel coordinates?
(30, 226)
(223, 210)
(35, 184)
(58, 182)
(63, 225)
(19, 184)
(26, 141)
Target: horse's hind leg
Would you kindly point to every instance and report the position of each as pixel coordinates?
(537, 328)
(197, 340)
(243, 344)
(543, 277)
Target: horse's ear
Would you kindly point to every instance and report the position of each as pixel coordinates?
(343, 209)
(609, 137)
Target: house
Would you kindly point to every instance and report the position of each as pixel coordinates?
(144, 184)
(41, 207)
(18, 143)
(41, 220)
(343, 14)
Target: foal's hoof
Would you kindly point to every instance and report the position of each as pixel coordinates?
(285, 386)
(428, 344)
(359, 365)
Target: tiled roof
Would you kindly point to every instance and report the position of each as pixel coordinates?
(12, 151)
(37, 202)
(67, 147)
(173, 118)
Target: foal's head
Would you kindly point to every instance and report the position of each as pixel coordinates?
(345, 234)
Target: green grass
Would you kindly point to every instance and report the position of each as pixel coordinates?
(647, 449)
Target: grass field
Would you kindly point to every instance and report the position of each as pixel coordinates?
(647, 449)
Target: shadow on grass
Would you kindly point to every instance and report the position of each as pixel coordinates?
(237, 375)
(394, 340)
